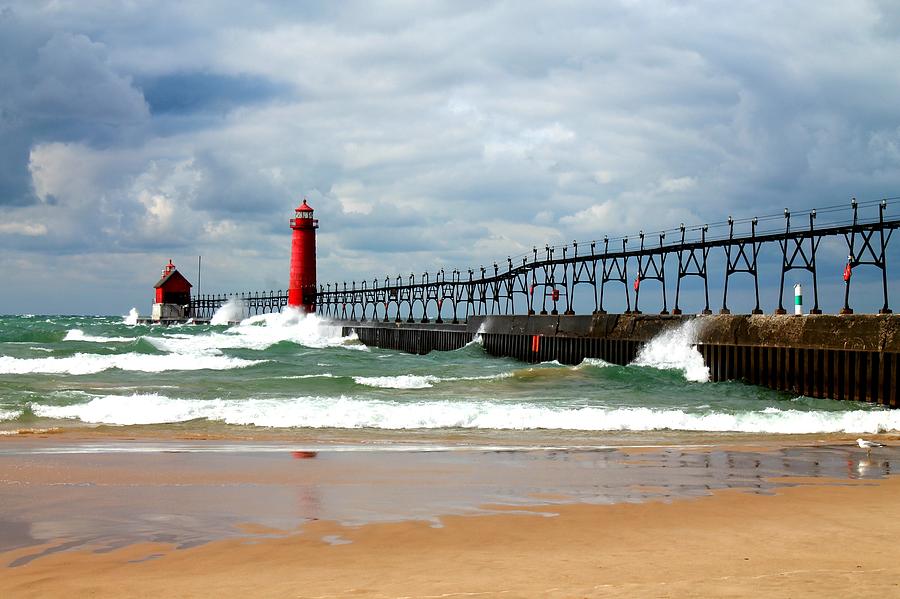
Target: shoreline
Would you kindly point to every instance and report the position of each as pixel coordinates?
(648, 521)
(800, 542)
(462, 437)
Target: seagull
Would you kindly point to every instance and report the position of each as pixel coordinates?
(868, 445)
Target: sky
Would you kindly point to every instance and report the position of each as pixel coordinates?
(425, 134)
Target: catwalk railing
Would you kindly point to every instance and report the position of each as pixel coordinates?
(546, 281)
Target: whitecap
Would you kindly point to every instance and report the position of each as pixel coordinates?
(416, 381)
(486, 377)
(593, 362)
(403, 381)
(82, 363)
(347, 412)
(79, 335)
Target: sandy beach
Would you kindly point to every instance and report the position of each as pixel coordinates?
(194, 520)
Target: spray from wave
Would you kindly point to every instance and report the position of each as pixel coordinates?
(131, 319)
(348, 412)
(231, 311)
(676, 349)
(261, 332)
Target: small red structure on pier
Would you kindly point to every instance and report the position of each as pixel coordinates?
(173, 295)
(302, 287)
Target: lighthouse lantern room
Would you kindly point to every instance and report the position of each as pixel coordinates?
(302, 286)
(173, 295)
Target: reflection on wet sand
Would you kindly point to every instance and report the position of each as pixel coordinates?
(62, 501)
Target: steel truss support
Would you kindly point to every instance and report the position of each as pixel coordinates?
(516, 281)
(617, 271)
(550, 288)
(798, 257)
(693, 266)
(866, 254)
(651, 267)
(583, 272)
(738, 260)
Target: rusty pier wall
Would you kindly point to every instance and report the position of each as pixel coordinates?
(852, 357)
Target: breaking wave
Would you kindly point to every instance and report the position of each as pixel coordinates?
(404, 381)
(261, 332)
(79, 335)
(347, 412)
(415, 381)
(593, 362)
(676, 350)
(82, 363)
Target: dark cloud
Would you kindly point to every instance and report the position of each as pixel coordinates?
(59, 87)
(190, 93)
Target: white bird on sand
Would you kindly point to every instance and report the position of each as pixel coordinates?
(868, 445)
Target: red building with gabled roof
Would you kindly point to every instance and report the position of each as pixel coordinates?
(173, 294)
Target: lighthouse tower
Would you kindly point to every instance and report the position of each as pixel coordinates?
(302, 288)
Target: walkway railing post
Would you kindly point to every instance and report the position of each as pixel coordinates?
(881, 208)
(784, 261)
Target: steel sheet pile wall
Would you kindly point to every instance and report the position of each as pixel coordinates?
(412, 340)
(853, 375)
(566, 350)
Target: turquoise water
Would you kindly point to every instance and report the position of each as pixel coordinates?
(297, 374)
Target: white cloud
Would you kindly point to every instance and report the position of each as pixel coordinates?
(160, 210)
(29, 229)
(351, 195)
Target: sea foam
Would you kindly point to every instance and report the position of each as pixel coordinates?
(348, 412)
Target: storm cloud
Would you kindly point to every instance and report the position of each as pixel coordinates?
(426, 134)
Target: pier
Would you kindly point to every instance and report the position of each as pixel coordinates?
(551, 304)
(827, 356)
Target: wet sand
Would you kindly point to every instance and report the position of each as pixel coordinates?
(170, 518)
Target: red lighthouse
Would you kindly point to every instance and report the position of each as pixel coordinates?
(302, 288)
